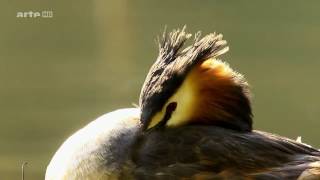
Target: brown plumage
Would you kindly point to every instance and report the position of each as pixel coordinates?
(219, 153)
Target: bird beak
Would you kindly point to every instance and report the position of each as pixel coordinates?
(145, 119)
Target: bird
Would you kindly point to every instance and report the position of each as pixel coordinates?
(194, 121)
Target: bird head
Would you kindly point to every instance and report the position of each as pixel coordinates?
(191, 86)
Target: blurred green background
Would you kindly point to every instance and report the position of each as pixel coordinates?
(58, 74)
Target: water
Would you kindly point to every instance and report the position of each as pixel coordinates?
(57, 74)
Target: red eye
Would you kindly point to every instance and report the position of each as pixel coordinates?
(171, 107)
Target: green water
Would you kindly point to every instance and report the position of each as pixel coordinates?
(58, 74)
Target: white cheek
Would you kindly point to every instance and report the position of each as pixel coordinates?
(185, 98)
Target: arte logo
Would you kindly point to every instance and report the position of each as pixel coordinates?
(35, 14)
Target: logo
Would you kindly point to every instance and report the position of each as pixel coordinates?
(35, 14)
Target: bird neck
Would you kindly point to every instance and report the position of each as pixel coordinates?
(223, 96)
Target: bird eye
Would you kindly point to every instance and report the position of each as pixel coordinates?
(171, 107)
